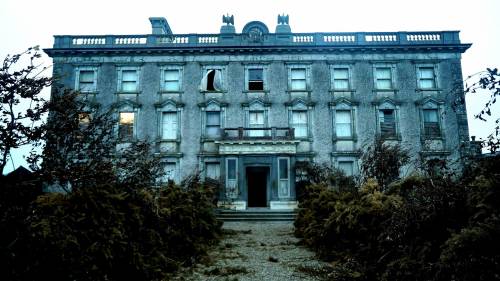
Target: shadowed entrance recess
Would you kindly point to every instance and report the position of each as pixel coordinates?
(257, 186)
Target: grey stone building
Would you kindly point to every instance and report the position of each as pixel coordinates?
(245, 107)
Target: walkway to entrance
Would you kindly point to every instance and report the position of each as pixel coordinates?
(259, 251)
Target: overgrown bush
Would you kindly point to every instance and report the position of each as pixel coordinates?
(112, 232)
(431, 227)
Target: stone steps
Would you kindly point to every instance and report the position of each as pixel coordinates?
(263, 214)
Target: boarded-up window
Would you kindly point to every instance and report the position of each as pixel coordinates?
(387, 121)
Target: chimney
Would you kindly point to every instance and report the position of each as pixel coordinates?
(159, 25)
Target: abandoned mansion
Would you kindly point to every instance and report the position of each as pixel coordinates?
(245, 107)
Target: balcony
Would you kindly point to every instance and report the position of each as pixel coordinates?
(271, 133)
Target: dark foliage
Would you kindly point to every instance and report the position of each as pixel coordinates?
(20, 87)
(419, 228)
(383, 161)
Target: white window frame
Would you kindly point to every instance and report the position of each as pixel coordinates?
(434, 73)
(344, 105)
(257, 105)
(307, 68)
(392, 69)
(165, 107)
(335, 67)
(212, 106)
(120, 79)
(176, 117)
(231, 183)
(300, 105)
(163, 82)
(77, 78)
(285, 181)
(207, 163)
(264, 69)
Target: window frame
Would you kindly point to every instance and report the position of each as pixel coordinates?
(206, 163)
(392, 71)
(78, 71)
(163, 81)
(388, 105)
(222, 69)
(344, 105)
(175, 177)
(335, 67)
(165, 107)
(212, 106)
(431, 104)
(435, 79)
(264, 69)
(120, 70)
(307, 78)
(287, 180)
(231, 183)
(133, 125)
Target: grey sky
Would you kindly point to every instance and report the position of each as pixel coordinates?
(28, 23)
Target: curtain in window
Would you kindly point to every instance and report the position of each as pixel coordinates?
(169, 125)
(212, 80)
(343, 127)
(299, 123)
(212, 170)
(256, 120)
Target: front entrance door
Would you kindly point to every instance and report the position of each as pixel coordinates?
(257, 186)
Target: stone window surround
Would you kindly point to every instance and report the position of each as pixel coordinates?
(163, 68)
(212, 105)
(256, 105)
(435, 67)
(347, 158)
(220, 66)
(300, 105)
(430, 103)
(392, 67)
(120, 70)
(348, 66)
(128, 106)
(176, 161)
(265, 70)
(346, 105)
(288, 179)
(300, 65)
(94, 68)
(169, 106)
(388, 104)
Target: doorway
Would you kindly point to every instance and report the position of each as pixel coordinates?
(257, 186)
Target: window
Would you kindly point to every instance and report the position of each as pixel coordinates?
(255, 79)
(212, 170)
(426, 78)
(169, 171)
(284, 177)
(340, 78)
(431, 123)
(347, 167)
(126, 126)
(171, 80)
(86, 81)
(83, 120)
(212, 80)
(343, 124)
(299, 123)
(169, 125)
(213, 124)
(129, 80)
(256, 120)
(231, 177)
(298, 79)
(383, 78)
(387, 121)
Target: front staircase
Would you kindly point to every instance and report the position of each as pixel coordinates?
(256, 214)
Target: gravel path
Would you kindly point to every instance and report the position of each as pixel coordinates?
(259, 251)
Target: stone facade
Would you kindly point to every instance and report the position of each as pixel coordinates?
(244, 107)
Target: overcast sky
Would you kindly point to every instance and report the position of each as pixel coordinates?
(25, 23)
